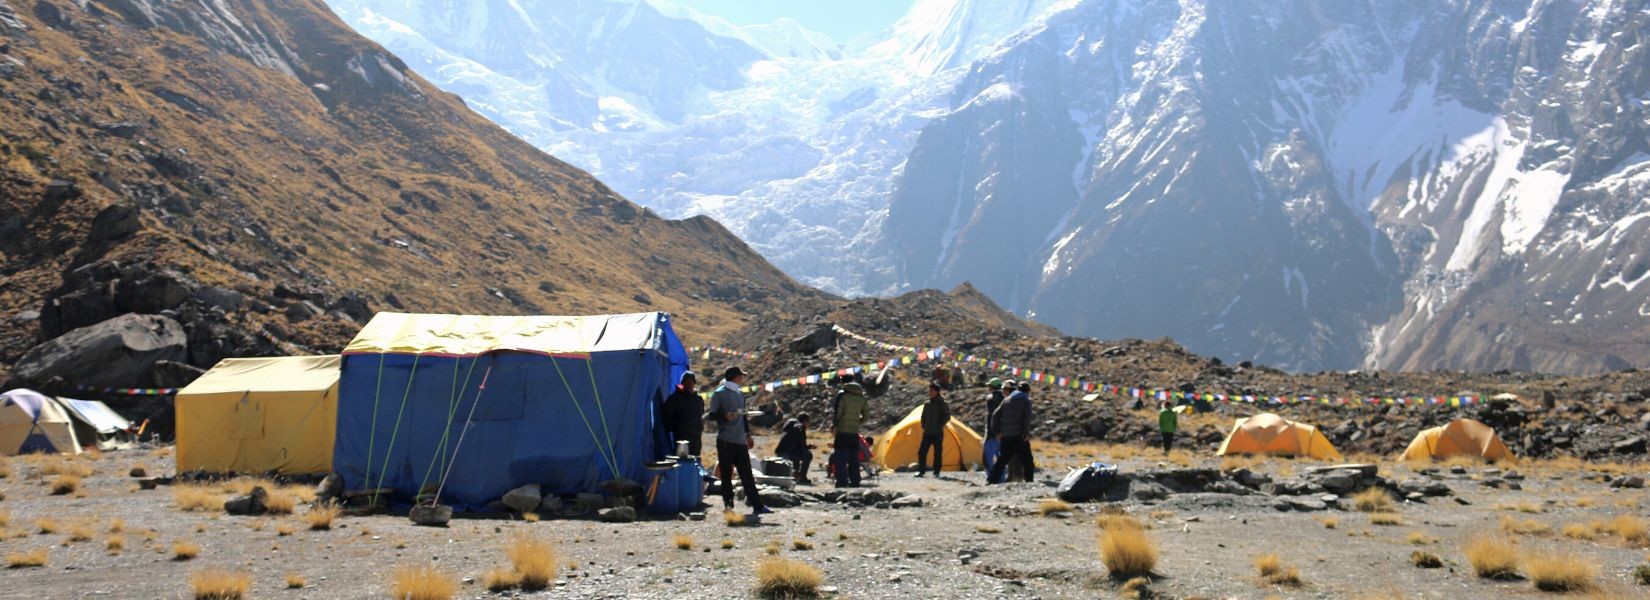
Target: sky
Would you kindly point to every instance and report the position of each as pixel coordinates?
(840, 19)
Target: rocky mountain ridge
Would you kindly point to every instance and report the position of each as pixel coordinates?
(185, 182)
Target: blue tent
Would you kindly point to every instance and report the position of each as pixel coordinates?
(479, 405)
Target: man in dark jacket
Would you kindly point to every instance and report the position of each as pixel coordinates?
(1012, 424)
(993, 399)
(794, 447)
(935, 416)
(684, 414)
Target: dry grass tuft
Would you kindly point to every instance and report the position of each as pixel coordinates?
(802, 545)
(772, 549)
(1584, 502)
(987, 529)
(320, 518)
(47, 526)
(197, 498)
(1560, 573)
(1630, 529)
(295, 581)
(217, 584)
(530, 517)
(1492, 557)
(1641, 574)
(1418, 538)
(5, 468)
(59, 466)
(1051, 506)
(115, 544)
(1126, 549)
(1525, 526)
(1137, 588)
(1425, 560)
(534, 560)
(1109, 521)
(1274, 572)
(5, 518)
(808, 532)
(32, 558)
(424, 582)
(64, 485)
(1373, 500)
(184, 550)
(79, 532)
(682, 541)
(500, 580)
(117, 525)
(1580, 531)
(1329, 522)
(1384, 519)
(285, 529)
(783, 578)
(733, 519)
(280, 503)
(727, 544)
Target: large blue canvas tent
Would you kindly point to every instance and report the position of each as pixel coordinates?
(479, 405)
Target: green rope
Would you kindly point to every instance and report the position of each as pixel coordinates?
(597, 391)
(611, 464)
(390, 449)
(372, 438)
(452, 411)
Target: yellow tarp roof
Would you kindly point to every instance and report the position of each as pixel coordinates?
(278, 374)
(463, 335)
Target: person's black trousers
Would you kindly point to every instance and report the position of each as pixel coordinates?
(845, 459)
(1168, 441)
(731, 456)
(937, 442)
(1016, 450)
(800, 462)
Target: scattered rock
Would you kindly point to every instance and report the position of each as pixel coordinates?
(431, 516)
(620, 514)
(119, 352)
(524, 499)
(1629, 481)
(250, 504)
(330, 487)
(137, 472)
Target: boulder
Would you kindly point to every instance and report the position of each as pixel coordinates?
(779, 498)
(1632, 445)
(618, 514)
(250, 504)
(1629, 481)
(907, 502)
(1339, 483)
(330, 487)
(822, 337)
(431, 516)
(117, 221)
(524, 499)
(119, 352)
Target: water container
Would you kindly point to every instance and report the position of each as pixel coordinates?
(691, 478)
(664, 492)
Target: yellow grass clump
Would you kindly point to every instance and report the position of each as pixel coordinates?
(1384, 519)
(64, 485)
(1135, 589)
(534, 560)
(1492, 557)
(5, 518)
(733, 519)
(196, 498)
(802, 545)
(424, 582)
(987, 529)
(1425, 560)
(280, 503)
(295, 581)
(1630, 529)
(1126, 549)
(1274, 572)
(58, 466)
(1373, 500)
(783, 578)
(117, 526)
(114, 544)
(1581, 531)
(79, 532)
(1050, 506)
(185, 550)
(682, 541)
(1524, 526)
(530, 517)
(320, 518)
(500, 580)
(5, 468)
(285, 529)
(727, 544)
(1560, 573)
(47, 526)
(1111, 520)
(219, 584)
(772, 549)
(32, 558)
(1418, 538)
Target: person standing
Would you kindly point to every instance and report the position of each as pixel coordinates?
(1168, 421)
(1013, 427)
(936, 415)
(733, 441)
(794, 447)
(847, 415)
(993, 399)
(684, 414)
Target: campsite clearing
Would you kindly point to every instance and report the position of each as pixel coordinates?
(1206, 542)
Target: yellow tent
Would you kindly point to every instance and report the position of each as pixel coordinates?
(252, 415)
(31, 423)
(898, 446)
(1461, 436)
(1267, 433)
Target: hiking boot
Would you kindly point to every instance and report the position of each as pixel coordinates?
(761, 510)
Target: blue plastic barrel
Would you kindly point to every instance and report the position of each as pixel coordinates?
(691, 479)
(664, 492)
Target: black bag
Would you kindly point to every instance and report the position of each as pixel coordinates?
(1086, 483)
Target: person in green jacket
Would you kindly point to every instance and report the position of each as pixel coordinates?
(1168, 421)
(848, 413)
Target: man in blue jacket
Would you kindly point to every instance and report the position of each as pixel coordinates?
(733, 441)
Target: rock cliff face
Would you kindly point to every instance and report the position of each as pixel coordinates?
(260, 179)
(1317, 185)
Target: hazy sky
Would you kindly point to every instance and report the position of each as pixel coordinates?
(840, 19)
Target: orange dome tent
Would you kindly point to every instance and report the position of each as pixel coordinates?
(898, 446)
(1459, 437)
(1267, 433)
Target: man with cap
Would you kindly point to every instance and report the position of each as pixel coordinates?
(683, 414)
(993, 399)
(1012, 424)
(733, 440)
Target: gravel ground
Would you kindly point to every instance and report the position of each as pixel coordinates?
(967, 540)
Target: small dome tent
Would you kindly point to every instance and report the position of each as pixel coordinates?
(898, 446)
(1267, 433)
(1459, 437)
(31, 422)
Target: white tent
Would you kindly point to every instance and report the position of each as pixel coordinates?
(32, 422)
(96, 422)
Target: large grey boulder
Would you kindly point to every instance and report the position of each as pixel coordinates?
(119, 352)
(524, 499)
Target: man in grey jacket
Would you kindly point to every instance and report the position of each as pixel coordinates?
(936, 415)
(733, 441)
(1012, 425)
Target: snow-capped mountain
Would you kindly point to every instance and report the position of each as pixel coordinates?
(1317, 184)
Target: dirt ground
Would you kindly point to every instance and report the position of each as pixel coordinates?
(966, 540)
